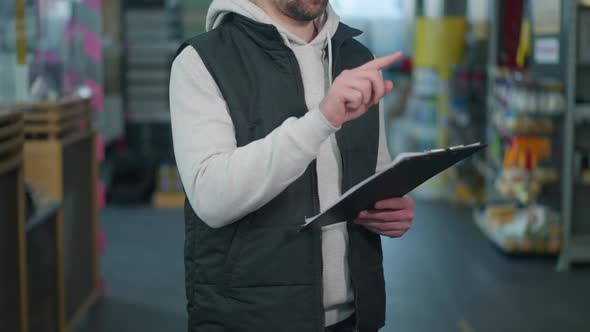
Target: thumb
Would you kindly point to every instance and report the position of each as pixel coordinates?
(388, 87)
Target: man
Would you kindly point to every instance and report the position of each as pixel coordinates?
(265, 137)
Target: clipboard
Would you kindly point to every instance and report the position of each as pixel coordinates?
(408, 171)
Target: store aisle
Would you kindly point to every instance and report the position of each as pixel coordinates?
(443, 276)
(143, 272)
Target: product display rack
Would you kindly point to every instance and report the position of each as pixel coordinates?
(576, 216)
(566, 232)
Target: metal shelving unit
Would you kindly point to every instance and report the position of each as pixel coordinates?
(576, 241)
(575, 217)
(153, 38)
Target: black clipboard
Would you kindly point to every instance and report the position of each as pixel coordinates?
(404, 174)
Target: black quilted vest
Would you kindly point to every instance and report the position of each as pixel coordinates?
(261, 273)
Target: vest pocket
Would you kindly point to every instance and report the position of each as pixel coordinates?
(272, 256)
(233, 253)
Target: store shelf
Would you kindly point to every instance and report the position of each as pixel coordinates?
(525, 124)
(508, 132)
(500, 105)
(582, 113)
(152, 61)
(149, 76)
(149, 117)
(147, 105)
(147, 91)
(569, 193)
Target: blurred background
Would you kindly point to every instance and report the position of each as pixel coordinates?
(91, 223)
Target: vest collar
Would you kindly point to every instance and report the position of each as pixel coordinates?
(343, 33)
(267, 35)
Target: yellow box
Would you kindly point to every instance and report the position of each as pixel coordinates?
(440, 43)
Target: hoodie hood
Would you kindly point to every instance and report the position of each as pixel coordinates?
(327, 24)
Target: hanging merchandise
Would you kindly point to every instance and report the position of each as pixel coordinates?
(524, 43)
(510, 32)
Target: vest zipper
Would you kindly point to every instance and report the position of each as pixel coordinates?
(336, 65)
(315, 194)
(350, 233)
(356, 309)
(316, 208)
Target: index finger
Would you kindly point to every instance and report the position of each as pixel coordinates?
(383, 62)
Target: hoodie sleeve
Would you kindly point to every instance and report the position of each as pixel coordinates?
(223, 183)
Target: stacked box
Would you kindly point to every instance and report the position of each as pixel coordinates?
(169, 190)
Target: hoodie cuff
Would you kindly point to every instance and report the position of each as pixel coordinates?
(325, 120)
(320, 123)
(312, 130)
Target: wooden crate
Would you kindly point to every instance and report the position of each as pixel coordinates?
(57, 119)
(60, 163)
(13, 274)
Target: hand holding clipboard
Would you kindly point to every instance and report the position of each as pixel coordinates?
(404, 174)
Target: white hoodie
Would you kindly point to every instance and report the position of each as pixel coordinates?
(224, 183)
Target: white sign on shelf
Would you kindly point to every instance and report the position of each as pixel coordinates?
(547, 51)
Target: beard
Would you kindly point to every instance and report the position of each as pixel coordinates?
(302, 10)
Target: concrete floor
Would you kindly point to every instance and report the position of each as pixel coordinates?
(442, 276)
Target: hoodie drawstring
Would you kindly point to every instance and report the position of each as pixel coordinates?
(330, 78)
(286, 40)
